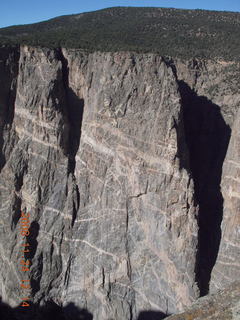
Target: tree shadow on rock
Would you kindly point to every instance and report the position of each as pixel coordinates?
(73, 313)
(6, 312)
(49, 311)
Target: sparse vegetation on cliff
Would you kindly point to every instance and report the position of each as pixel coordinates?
(182, 33)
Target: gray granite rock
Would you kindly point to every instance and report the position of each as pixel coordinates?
(227, 267)
(98, 152)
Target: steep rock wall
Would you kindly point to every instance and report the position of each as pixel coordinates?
(138, 232)
(210, 100)
(107, 152)
(227, 267)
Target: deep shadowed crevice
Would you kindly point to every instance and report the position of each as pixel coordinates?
(33, 244)
(32, 240)
(76, 203)
(17, 201)
(151, 315)
(75, 109)
(207, 137)
(16, 211)
(8, 89)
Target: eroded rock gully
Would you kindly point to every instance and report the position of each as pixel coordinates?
(118, 159)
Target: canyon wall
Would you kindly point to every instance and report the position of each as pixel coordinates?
(117, 157)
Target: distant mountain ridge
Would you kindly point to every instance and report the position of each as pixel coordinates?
(169, 32)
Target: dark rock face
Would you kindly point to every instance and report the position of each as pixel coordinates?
(118, 159)
(8, 70)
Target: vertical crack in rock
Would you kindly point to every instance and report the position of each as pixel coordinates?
(75, 108)
(22, 164)
(207, 137)
(17, 202)
(67, 274)
(76, 202)
(129, 267)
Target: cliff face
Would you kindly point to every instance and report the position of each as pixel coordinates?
(224, 305)
(211, 125)
(227, 266)
(118, 159)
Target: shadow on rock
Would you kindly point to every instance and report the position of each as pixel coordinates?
(207, 138)
(49, 311)
(151, 315)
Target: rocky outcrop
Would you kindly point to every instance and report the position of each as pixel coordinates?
(117, 157)
(224, 305)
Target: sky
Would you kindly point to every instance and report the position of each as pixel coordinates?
(14, 12)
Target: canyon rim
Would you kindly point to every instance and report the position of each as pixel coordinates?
(128, 163)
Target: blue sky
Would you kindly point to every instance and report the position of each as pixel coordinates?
(29, 11)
